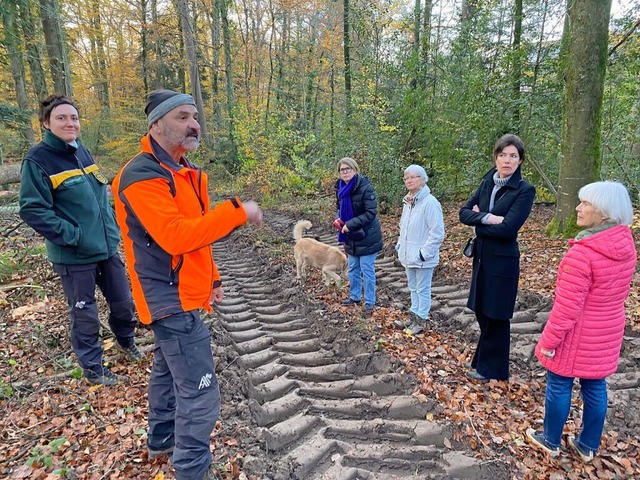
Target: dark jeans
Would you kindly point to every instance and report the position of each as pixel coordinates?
(184, 397)
(491, 359)
(79, 284)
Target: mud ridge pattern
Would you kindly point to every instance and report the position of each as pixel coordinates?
(530, 315)
(323, 410)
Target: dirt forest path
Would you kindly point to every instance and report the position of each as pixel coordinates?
(311, 389)
(325, 404)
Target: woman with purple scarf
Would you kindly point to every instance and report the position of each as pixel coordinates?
(359, 230)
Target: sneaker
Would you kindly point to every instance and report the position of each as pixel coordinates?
(132, 353)
(153, 453)
(368, 307)
(402, 324)
(537, 439)
(416, 328)
(105, 377)
(467, 365)
(585, 454)
(406, 323)
(350, 301)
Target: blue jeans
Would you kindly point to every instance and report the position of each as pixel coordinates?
(419, 283)
(184, 397)
(558, 402)
(360, 268)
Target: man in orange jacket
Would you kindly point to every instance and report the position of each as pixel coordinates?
(162, 207)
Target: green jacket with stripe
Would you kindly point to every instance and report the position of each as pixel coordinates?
(63, 197)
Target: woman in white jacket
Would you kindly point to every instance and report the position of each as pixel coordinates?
(418, 247)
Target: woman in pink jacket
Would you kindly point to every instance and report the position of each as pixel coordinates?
(583, 335)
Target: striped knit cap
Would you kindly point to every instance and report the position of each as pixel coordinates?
(161, 102)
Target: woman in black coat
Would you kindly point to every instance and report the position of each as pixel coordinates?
(497, 210)
(359, 231)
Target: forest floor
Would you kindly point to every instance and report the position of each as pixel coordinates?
(290, 409)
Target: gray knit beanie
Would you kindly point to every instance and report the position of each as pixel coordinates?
(160, 102)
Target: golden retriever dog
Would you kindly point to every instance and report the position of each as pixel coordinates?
(309, 251)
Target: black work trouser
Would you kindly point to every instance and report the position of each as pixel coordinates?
(79, 283)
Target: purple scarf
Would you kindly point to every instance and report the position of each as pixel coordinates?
(346, 209)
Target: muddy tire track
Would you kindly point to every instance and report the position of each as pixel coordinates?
(531, 314)
(324, 404)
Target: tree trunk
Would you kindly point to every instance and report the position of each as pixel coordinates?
(214, 26)
(226, 40)
(182, 79)
(332, 110)
(468, 10)
(194, 74)
(272, 35)
(425, 43)
(16, 64)
(55, 46)
(33, 48)
(99, 60)
(158, 79)
(248, 64)
(516, 70)
(585, 66)
(347, 60)
(144, 45)
(9, 173)
(415, 47)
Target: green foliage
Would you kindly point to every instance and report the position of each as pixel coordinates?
(621, 109)
(8, 266)
(14, 262)
(544, 195)
(14, 116)
(42, 455)
(442, 108)
(6, 390)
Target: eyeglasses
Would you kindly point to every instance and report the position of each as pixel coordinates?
(411, 178)
(345, 170)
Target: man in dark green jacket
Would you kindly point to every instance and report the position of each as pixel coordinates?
(63, 197)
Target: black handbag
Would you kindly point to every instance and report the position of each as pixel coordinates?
(467, 251)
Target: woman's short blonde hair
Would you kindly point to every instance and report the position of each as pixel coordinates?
(609, 198)
(350, 162)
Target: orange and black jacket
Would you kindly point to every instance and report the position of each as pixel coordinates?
(167, 227)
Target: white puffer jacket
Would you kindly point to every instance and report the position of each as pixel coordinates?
(421, 231)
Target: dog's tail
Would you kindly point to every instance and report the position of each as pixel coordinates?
(299, 229)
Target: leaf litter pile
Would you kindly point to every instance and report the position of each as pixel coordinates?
(53, 425)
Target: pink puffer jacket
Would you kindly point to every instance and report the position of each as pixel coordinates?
(586, 324)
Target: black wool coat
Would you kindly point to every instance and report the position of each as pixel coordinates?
(365, 216)
(496, 260)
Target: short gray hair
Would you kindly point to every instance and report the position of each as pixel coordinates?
(609, 198)
(417, 170)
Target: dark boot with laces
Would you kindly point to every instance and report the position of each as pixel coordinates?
(102, 376)
(132, 352)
